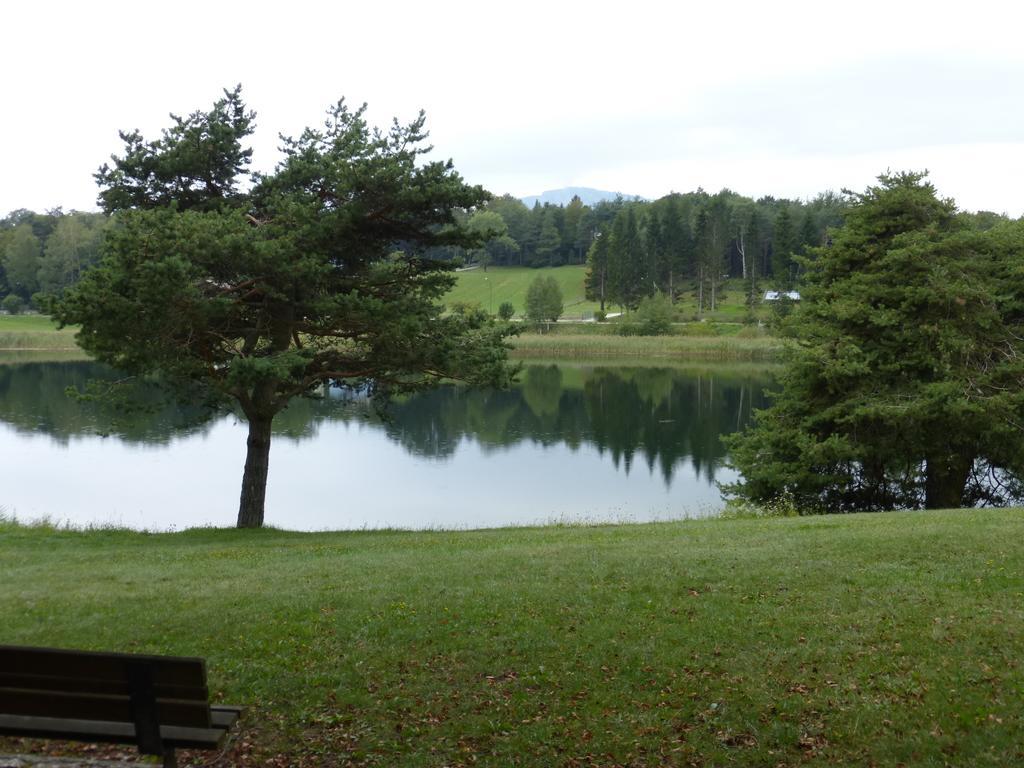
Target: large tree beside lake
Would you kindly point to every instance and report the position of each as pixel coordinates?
(906, 383)
(316, 273)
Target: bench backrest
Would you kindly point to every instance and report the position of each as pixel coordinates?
(147, 691)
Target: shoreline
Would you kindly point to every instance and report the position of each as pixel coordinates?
(698, 348)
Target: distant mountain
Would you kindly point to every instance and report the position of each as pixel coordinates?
(564, 196)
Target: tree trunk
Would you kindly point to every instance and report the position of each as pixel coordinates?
(742, 248)
(254, 477)
(945, 478)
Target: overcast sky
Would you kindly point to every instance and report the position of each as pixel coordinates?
(783, 98)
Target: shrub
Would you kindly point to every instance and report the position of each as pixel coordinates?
(13, 304)
(467, 309)
(655, 315)
(506, 310)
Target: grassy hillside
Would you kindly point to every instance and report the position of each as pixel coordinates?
(882, 639)
(500, 284)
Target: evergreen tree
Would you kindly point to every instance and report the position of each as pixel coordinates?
(807, 240)
(783, 247)
(720, 242)
(704, 255)
(655, 251)
(596, 280)
(678, 245)
(626, 259)
(906, 385)
(549, 241)
(754, 247)
(250, 299)
(572, 235)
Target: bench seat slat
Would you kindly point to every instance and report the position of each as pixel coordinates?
(89, 685)
(98, 730)
(84, 706)
(58, 662)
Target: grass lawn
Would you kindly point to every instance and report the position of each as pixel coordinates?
(34, 332)
(880, 639)
(489, 289)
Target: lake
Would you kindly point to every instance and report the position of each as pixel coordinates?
(569, 443)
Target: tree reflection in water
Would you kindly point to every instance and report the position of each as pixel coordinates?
(661, 416)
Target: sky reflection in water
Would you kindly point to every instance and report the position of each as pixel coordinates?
(569, 443)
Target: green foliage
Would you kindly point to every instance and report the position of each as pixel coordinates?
(653, 317)
(12, 304)
(906, 386)
(21, 260)
(549, 241)
(41, 254)
(506, 310)
(784, 244)
(492, 231)
(543, 300)
(627, 260)
(72, 248)
(596, 281)
(197, 162)
(260, 297)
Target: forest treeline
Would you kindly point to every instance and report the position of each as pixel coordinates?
(681, 243)
(41, 254)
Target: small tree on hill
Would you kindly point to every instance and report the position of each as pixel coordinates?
(543, 300)
(506, 311)
(316, 275)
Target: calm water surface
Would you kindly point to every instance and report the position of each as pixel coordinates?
(568, 443)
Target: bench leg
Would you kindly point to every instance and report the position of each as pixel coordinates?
(170, 760)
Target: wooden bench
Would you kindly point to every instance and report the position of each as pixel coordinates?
(158, 703)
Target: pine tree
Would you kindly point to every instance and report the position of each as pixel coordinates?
(655, 251)
(783, 248)
(906, 385)
(596, 280)
(549, 241)
(626, 259)
(250, 298)
(678, 245)
(702, 250)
